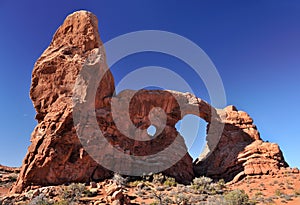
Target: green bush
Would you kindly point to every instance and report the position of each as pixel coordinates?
(278, 192)
(203, 185)
(170, 182)
(221, 184)
(237, 197)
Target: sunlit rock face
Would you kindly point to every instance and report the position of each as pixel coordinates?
(58, 154)
(55, 155)
(240, 150)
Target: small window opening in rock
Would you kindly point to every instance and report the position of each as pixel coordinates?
(151, 130)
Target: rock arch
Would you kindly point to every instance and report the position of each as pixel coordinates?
(56, 155)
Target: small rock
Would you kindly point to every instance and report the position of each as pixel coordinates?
(160, 188)
(93, 185)
(295, 170)
(112, 188)
(94, 190)
(36, 193)
(118, 195)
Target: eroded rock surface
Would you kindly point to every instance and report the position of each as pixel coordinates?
(240, 150)
(56, 154)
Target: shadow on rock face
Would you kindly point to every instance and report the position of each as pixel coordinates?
(61, 94)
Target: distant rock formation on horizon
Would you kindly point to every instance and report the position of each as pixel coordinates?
(56, 155)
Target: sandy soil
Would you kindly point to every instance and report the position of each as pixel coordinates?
(281, 188)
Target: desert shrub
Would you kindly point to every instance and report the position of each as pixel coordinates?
(221, 184)
(258, 194)
(119, 180)
(147, 177)
(134, 183)
(181, 199)
(159, 196)
(170, 182)
(201, 182)
(89, 193)
(237, 197)
(40, 200)
(204, 185)
(158, 178)
(73, 192)
(278, 192)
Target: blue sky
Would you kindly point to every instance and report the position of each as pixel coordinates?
(255, 45)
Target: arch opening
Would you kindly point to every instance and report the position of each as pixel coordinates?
(151, 130)
(194, 131)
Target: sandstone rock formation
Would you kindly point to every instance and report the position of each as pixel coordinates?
(62, 82)
(55, 155)
(261, 158)
(240, 150)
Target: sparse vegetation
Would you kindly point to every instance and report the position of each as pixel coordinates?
(163, 190)
(278, 192)
(158, 178)
(237, 197)
(181, 199)
(170, 182)
(73, 192)
(40, 200)
(297, 192)
(119, 180)
(204, 185)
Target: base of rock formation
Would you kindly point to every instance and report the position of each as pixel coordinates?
(280, 188)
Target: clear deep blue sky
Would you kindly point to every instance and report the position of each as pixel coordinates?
(255, 45)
